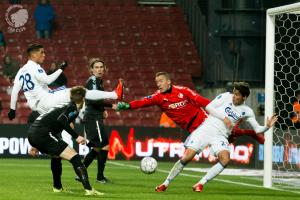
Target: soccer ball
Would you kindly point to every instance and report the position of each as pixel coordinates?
(148, 165)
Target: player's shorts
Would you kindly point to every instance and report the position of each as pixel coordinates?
(40, 138)
(53, 98)
(205, 136)
(95, 133)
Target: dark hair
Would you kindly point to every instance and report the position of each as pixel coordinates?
(33, 48)
(163, 74)
(242, 87)
(77, 94)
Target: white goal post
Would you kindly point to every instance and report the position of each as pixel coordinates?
(269, 82)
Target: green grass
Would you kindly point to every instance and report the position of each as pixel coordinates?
(31, 179)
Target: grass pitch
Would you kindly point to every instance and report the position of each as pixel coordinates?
(31, 179)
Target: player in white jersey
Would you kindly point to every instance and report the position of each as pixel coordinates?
(33, 80)
(224, 112)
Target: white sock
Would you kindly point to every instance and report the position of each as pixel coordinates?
(98, 95)
(177, 168)
(212, 173)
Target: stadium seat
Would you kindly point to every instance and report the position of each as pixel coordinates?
(5, 120)
(127, 36)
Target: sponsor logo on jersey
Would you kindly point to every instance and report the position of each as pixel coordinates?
(178, 104)
(40, 70)
(219, 97)
(149, 97)
(231, 113)
(180, 95)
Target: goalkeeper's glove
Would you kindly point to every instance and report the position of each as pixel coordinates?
(63, 65)
(11, 114)
(122, 106)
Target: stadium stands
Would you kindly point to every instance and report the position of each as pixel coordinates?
(135, 41)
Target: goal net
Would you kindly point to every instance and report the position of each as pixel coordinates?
(282, 147)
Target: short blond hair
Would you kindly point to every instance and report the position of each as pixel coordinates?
(165, 74)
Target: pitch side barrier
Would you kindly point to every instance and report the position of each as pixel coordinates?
(133, 143)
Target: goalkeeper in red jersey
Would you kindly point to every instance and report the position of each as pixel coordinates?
(181, 104)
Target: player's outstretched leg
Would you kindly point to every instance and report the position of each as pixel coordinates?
(177, 168)
(99, 95)
(119, 89)
(224, 159)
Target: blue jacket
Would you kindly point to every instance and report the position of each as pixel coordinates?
(2, 40)
(43, 15)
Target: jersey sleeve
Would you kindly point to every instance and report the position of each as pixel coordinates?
(90, 84)
(255, 125)
(15, 91)
(41, 75)
(217, 102)
(68, 116)
(195, 98)
(145, 102)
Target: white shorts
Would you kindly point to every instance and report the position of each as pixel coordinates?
(205, 136)
(53, 98)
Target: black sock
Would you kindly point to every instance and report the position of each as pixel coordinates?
(81, 172)
(88, 159)
(102, 157)
(56, 172)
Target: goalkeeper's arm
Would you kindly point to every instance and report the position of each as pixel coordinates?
(122, 106)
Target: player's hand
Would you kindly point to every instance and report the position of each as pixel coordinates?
(122, 106)
(227, 123)
(271, 121)
(114, 106)
(63, 65)
(11, 114)
(105, 114)
(33, 151)
(80, 140)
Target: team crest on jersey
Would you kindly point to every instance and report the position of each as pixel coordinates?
(180, 95)
(40, 70)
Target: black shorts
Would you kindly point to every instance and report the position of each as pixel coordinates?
(95, 133)
(45, 142)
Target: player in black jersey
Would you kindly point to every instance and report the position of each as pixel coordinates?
(44, 135)
(93, 120)
(56, 164)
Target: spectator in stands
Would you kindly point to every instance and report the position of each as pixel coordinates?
(14, 1)
(1, 108)
(10, 67)
(295, 117)
(44, 15)
(2, 42)
(166, 122)
(61, 80)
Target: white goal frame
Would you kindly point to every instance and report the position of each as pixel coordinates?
(269, 83)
